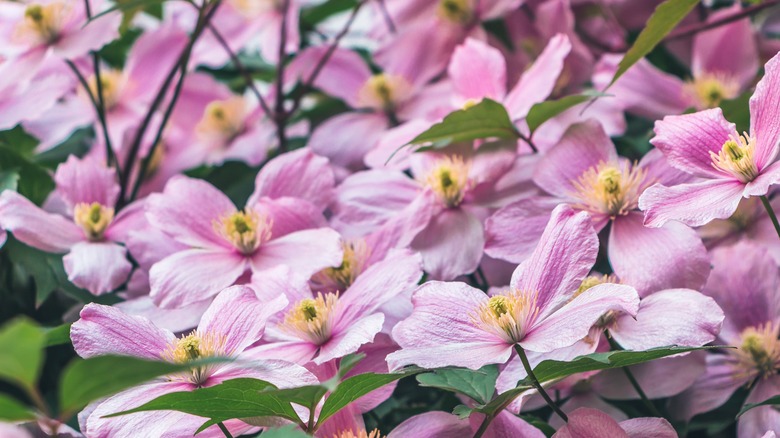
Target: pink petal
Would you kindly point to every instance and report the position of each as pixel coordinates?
(757, 421)
(346, 138)
(105, 330)
(564, 256)
(589, 400)
(374, 362)
(389, 152)
(477, 71)
(573, 321)
(98, 267)
(297, 351)
(84, 37)
(693, 204)
(764, 110)
(187, 210)
(86, 180)
(648, 428)
(583, 145)
(193, 275)
(238, 317)
(151, 57)
(129, 220)
(289, 215)
(343, 75)
(35, 227)
(305, 252)
(281, 373)
(590, 423)
(298, 174)
(651, 259)
(658, 379)
(711, 389)
(440, 332)
(769, 176)
(451, 245)
(538, 82)
(434, 424)
(30, 103)
(670, 317)
(687, 140)
(513, 232)
(506, 425)
(351, 338)
(174, 320)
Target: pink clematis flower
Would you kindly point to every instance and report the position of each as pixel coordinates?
(85, 226)
(592, 423)
(319, 327)
(437, 424)
(745, 283)
(225, 243)
(584, 171)
(454, 324)
(234, 321)
(749, 222)
(731, 166)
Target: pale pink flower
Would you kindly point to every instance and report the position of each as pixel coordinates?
(592, 423)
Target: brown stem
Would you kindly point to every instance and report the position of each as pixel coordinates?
(700, 27)
(280, 115)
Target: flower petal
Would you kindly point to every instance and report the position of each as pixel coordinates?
(346, 138)
(764, 111)
(659, 378)
(298, 174)
(693, 204)
(513, 232)
(451, 245)
(98, 267)
(105, 330)
(434, 424)
(350, 338)
(305, 252)
(35, 227)
(590, 423)
(477, 71)
(711, 389)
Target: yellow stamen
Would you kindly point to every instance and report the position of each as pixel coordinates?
(195, 345)
(311, 318)
(253, 8)
(110, 84)
(709, 90)
(93, 218)
(223, 120)
(736, 158)
(384, 91)
(449, 179)
(42, 23)
(759, 353)
(356, 254)
(246, 229)
(609, 318)
(360, 434)
(456, 11)
(611, 189)
(507, 316)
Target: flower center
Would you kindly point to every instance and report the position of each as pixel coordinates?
(456, 11)
(610, 189)
(42, 23)
(110, 84)
(760, 350)
(93, 218)
(360, 434)
(253, 8)
(223, 120)
(736, 158)
(507, 316)
(712, 88)
(311, 318)
(194, 346)
(609, 318)
(356, 254)
(384, 91)
(246, 230)
(449, 179)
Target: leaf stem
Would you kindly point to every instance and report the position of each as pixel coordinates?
(537, 385)
(771, 212)
(224, 429)
(635, 383)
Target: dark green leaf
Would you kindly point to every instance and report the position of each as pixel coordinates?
(462, 411)
(86, 380)
(35, 183)
(544, 111)
(128, 6)
(768, 402)
(737, 111)
(21, 343)
(348, 362)
(58, 335)
(665, 17)
(13, 410)
(314, 15)
(479, 384)
(487, 119)
(237, 398)
(46, 270)
(355, 387)
(9, 179)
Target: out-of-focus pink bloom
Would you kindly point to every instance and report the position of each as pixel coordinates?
(86, 228)
(744, 282)
(235, 320)
(749, 222)
(225, 243)
(437, 424)
(27, 98)
(724, 63)
(454, 324)
(584, 171)
(731, 166)
(319, 327)
(592, 423)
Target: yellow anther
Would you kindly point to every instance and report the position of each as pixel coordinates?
(737, 158)
(508, 315)
(223, 120)
(93, 218)
(311, 318)
(384, 91)
(449, 179)
(246, 230)
(456, 11)
(356, 254)
(709, 90)
(611, 189)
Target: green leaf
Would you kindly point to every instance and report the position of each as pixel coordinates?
(665, 18)
(9, 180)
(35, 183)
(544, 111)
(487, 119)
(355, 387)
(12, 410)
(285, 432)
(462, 411)
(128, 6)
(58, 335)
(768, 402)
(21, 343)
(316, 14)
(348, 362)
(737, 111)
(237, 398)
(478, 385)
(86, 380)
